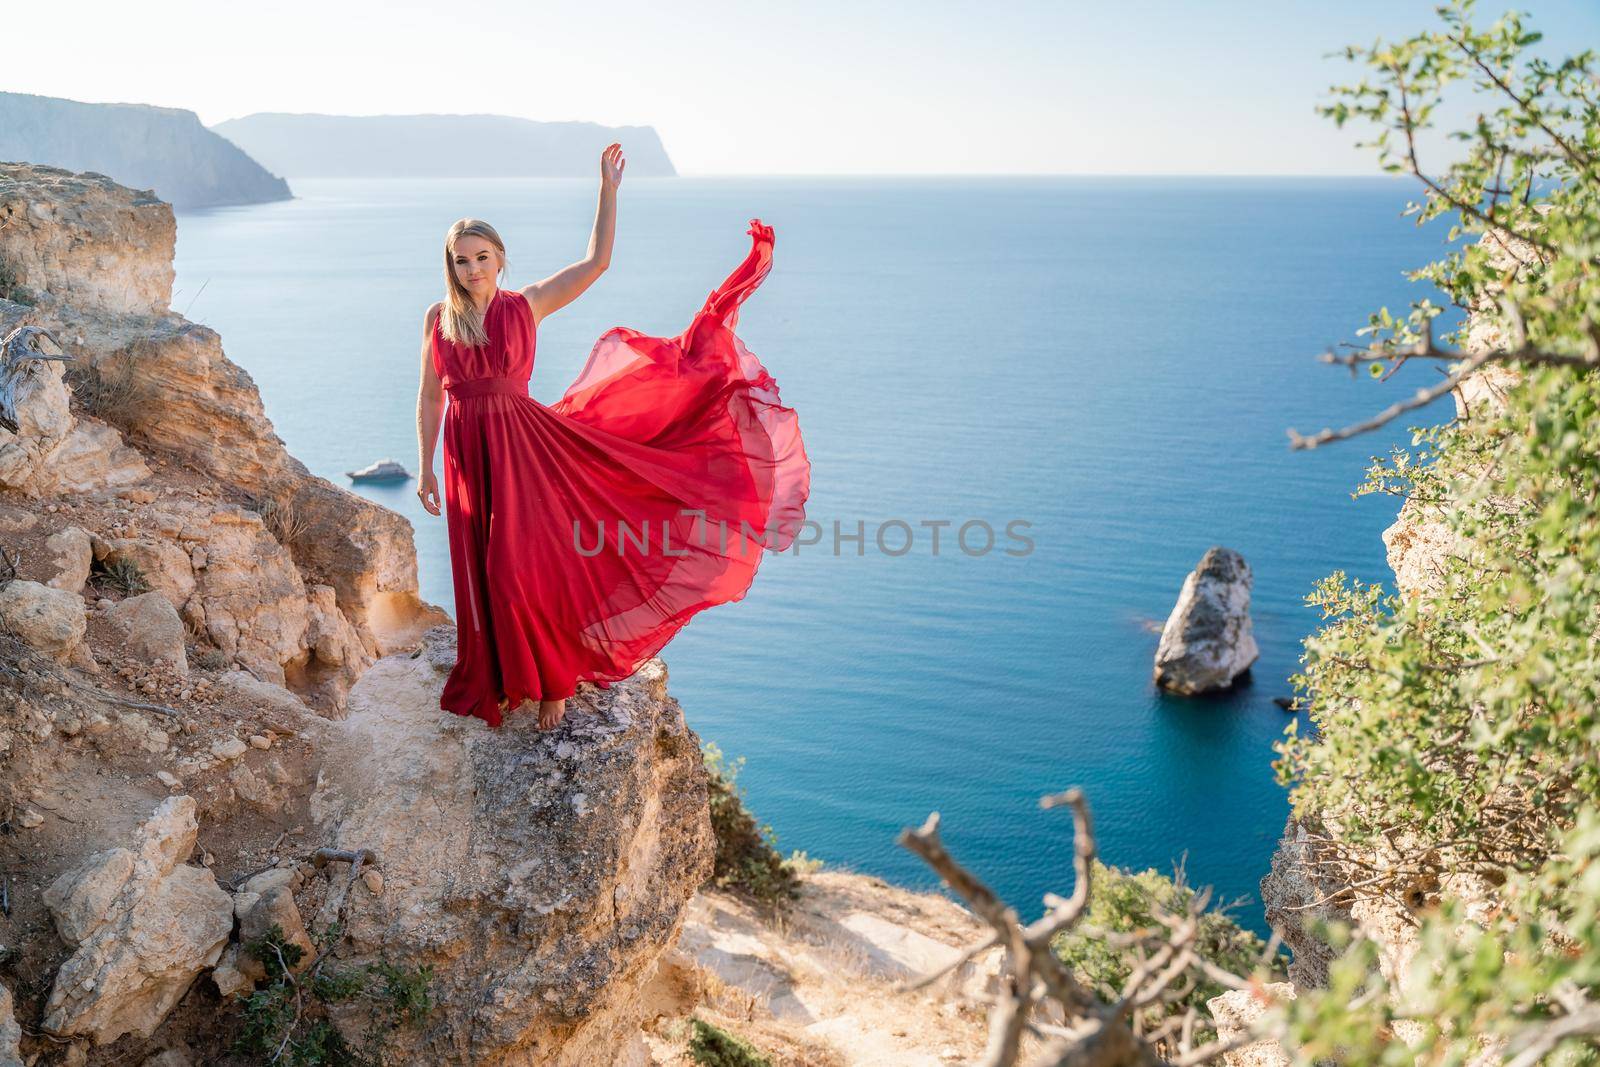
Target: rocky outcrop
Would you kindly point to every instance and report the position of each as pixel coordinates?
(82, 241)
(1302, 890)
(1420, 541)
(165, 149)
(150, 628)
(265, 901)
(299, 581)
(541, 874)
(52, 621)
(1310, 884)
(1207, 641)
(72, 556)
(1237, 1012)
(44, 447)
(211, 414)
(144, 925)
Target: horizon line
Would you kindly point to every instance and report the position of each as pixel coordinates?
(859, 174)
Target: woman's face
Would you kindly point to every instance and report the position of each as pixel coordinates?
(477, 264)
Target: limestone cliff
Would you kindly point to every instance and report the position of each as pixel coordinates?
(219, 715)
(299, 581)
(206, 650)
(541, 874)
(161, 148)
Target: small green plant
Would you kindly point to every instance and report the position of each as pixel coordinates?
(802, 863)
(712, 1046)
(285, 1019)
(747, 859)
(120, 574)
(1123, 903)
(406, 993)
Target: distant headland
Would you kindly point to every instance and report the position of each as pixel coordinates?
(166, 149)
(438, 146)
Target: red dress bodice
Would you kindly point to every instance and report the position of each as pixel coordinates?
(509, 353)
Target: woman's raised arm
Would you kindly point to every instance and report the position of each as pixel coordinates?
(567, 284)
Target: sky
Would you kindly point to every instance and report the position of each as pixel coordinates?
(824, 87)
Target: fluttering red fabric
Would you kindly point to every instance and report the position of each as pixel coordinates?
(586, 533)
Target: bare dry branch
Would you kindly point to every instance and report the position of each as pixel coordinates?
(1421, 399)
(1095, 1034)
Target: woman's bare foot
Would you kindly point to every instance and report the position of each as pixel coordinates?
(551, 712)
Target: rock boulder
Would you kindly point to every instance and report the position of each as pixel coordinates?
(150, 630)
(1207, 642)
(542, 874)
(144, 924)
(49, 620)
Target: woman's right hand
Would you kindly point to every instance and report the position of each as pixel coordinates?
(611, 164)
(428, 492)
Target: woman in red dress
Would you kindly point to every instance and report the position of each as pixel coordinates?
(584, 534)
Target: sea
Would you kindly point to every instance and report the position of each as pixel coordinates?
(1030, 404)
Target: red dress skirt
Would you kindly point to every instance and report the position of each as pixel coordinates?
(586, 533)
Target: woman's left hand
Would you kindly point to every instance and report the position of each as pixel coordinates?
(611, 164)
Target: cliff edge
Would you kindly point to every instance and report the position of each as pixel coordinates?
(215, 668)
(161, 148)
(220, 736)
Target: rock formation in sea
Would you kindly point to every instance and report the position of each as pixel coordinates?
(165, 149)
(394, 146)
(219, 718)
(1207, 642)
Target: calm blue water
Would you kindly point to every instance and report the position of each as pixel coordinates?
(1111, 361)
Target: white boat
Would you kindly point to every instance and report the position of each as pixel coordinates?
(385, 470)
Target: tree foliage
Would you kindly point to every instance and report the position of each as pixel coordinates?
(747, 858)
(1125, 903)
(1457, 722)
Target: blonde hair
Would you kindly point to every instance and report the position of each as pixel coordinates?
(459, 320)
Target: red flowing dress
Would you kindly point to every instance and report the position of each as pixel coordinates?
(584, 534)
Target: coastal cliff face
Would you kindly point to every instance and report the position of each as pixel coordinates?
(161, 148)
(1305, 886)
(546, 920)
(219, 715)
(293, 578)
(197, 635)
